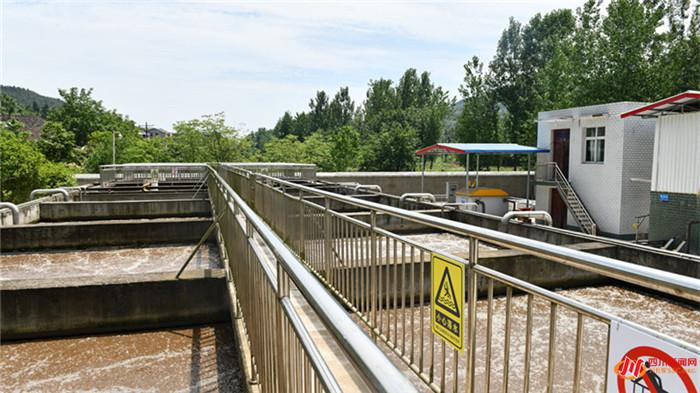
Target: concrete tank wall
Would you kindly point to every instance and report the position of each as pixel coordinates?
(514, 183)
(102, 233)
(89, 305)
(110, 210)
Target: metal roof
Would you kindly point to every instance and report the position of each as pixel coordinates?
(685, 102)
(464, 148)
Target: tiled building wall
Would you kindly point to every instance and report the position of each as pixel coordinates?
(638, 154)
(670, 217)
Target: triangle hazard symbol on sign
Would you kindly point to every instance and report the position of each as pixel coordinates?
(445, 296)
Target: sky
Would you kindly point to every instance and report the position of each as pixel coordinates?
(161, 62)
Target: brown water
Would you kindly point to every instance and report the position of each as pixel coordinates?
(675, 320)
(188, 359)
(447, 242)
(109, 261)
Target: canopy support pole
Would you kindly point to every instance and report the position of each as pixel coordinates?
(466, 167)
(527, 192)
(422, 176)
(477, 171)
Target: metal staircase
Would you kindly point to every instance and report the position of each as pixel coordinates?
(551, 174)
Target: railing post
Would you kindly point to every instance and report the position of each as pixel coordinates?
(327, 238)
(302, 240)
(282, 292)
(471, 313)
(373, 278)
(285, 212)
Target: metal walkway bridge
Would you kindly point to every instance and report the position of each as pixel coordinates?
(327, 300)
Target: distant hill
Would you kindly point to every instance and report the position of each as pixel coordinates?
(28, 97)
(451, 122)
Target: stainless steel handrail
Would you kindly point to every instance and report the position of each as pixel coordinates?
(34, 193)
(14, 209)
(541, 214)
(671, 283)
(374, 365)
(417, 196)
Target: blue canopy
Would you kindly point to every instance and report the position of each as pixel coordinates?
(464, 148)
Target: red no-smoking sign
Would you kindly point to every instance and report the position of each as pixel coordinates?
(641, 362)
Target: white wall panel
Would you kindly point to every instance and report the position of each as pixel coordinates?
(677, 164)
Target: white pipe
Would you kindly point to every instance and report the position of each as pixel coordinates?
(32, 196)
(457, 204)
(541, 214)
(368, 187)
(15, 211)
(418, 196)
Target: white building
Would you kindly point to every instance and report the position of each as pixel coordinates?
(675, 179)
(597, 174)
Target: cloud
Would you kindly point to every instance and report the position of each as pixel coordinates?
(162, 62)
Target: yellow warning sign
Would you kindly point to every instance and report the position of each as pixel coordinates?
(447, 300)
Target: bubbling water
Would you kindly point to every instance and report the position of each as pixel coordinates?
(200, 358)
(108, 261)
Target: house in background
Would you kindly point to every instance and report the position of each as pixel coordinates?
(675, 177)
(595, 177)
(153, 132)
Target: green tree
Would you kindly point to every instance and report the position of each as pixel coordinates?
(82, 115)
(287, 149)
(9, 107)
(479, 121)
(284, 126)
(56, 174)
(19, 166)
(585, 54)
(301, 125)
(57, 143)
(408, 89)
(98, 150)
(147, 150)
(317, 150)
(209, 139)
(392, 149)
(341, 109)
(630, 47)
(380, 106)
(344, 149)
(319, 114)
(221, 142)
(260, 137)
(189, 145)
(680, 63)
(23, 168)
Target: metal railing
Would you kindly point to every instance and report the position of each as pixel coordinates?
(382, 278)
(152, 172)
(196, 171)
(265, 272)
(279, 169)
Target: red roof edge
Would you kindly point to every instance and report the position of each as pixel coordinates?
(687, 94)
(438, 147)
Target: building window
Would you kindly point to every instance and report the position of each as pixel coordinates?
(595, 144)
